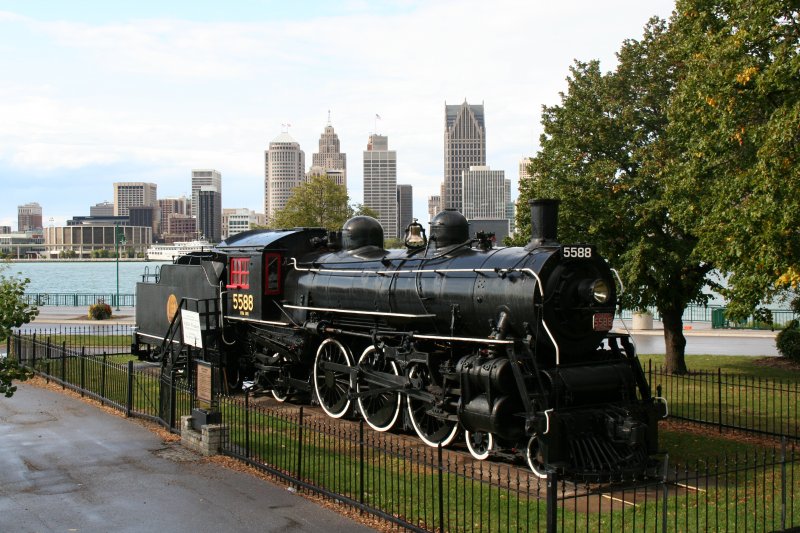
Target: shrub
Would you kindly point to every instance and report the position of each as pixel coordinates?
(100, 311)
(788, 341)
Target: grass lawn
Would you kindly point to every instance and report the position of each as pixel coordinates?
(758, 367)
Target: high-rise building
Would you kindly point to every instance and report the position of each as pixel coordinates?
(103, 209)
(29, 217)
(510, 212)
(180, 228)
(204, 177)
(484, 194)
(238, 220)
(133, 194)
(525, 168)
(329, 158)
(380, 182)
(464, 147)
(172, 206)
(145, 216)
(434, 206)
(284, 169)
(405, 209)
(209, 215)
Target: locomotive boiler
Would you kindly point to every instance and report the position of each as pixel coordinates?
(510, 347)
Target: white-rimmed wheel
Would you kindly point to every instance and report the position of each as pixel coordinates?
(534, 460)
(479, 443)
(431, 429)
(380, 410)
(331, 384)
(282, 392)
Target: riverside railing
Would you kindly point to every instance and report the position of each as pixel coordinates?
(715, 314)
(69, 299)
(732, 401)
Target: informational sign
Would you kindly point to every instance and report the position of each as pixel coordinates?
(203, 381)
(192, 334)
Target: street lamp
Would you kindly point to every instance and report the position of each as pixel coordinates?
(119, 238)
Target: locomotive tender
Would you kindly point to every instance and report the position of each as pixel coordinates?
(510, 346)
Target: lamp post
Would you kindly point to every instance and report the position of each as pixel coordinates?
(119, 238)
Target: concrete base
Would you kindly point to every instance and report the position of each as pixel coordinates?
(207, 441)
(642, 321)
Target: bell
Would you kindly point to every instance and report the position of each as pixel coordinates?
(415, 235)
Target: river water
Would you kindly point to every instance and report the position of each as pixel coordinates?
(92, 277)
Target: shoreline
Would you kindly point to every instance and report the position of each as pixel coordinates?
(86, 260)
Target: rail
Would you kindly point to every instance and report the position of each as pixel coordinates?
(77, 299)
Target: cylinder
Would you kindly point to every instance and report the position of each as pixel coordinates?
(544, 220)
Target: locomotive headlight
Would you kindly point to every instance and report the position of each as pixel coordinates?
(600, 291)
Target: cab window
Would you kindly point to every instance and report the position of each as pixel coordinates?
(239, 277)
(272, 274)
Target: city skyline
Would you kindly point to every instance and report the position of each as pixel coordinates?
(147, 92)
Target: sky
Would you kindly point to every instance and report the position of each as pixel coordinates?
(97, 92)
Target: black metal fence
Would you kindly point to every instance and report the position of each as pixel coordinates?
(71, 299)
(734, 401)
(95, 339)
(426, 489)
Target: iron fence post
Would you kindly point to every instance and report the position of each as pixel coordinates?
(552, 502)
(63, 368)
(103, 381)
(361, 462)
(441, 487)
(300, 445)
(665, 494)
(129, 396)
(719, 398)
(173, 397)
(783, 483)
(247, 423)
(83, 369)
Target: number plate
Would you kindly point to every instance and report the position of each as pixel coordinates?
(577, 252)
(603, 321)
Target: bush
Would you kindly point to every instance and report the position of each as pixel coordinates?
(788, 341)
(100, 311)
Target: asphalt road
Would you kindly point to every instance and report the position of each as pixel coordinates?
(66, 465)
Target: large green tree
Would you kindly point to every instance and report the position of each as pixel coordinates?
(737, 109)
(605, 153)
(318, 203)
(13, 313)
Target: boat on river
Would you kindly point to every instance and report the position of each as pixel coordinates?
(168, 252)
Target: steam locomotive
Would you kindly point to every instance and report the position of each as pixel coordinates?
(509, 346)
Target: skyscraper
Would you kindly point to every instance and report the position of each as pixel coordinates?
(434, 206)
(524, 169)
(484, 194)
(329, 159)
(380, 182)
(172, 206)
(464, 147)
(203, 178)
(209, 216)
(134, 194)
(284, 169)
(29, 217)
(405, 208)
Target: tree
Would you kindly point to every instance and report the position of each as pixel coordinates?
(605, 153)
(13, 313)
(318, 203)
(738, 109)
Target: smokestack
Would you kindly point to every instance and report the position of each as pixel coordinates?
(544, 222)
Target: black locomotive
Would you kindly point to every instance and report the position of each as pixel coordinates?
(512, 346)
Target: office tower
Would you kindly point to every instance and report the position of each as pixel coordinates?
(284, 169)
(145, 216)
(180, 228)
(172, 206)
(203, 178)
(103, 209)
(524, 169)
(329, 159)
(237, 220)
(464, 147)
(209, 215)
(29, 217)
(512, 224)
(484, 194)
(380, 182)
(405, 209)
(434, 206)
(133, 194)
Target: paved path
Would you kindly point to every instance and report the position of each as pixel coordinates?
(66, 465)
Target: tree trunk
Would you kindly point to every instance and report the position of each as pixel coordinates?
(675, 342)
